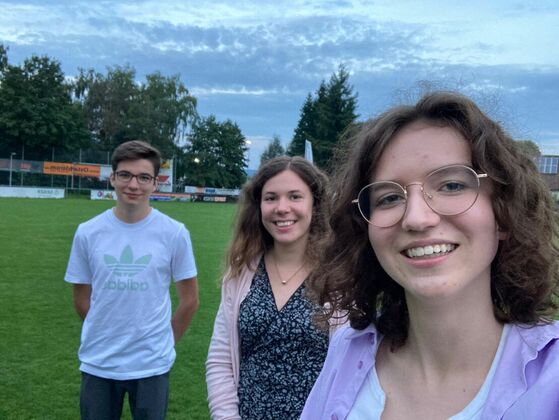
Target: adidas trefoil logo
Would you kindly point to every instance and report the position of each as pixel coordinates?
(127, 266)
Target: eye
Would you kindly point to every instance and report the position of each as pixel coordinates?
(269, 198)
(145, 178)
(296, 196)
(388, 200)
(124, 175)
(452, 187)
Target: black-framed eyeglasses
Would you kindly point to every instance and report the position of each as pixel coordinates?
(448, 191)
(125, 176)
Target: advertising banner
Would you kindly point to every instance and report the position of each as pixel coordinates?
(102, 195)
(21, 165)
(106, 171)
(30, 192)
(232, 192)
(157, 196)
(170, 197)
(76, 169)
(165, 177)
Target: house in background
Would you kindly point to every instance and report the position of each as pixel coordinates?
(548, 165)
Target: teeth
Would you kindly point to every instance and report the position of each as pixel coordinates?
(429, 250)
(286, 223)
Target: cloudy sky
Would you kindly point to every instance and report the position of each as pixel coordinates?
(254, 61)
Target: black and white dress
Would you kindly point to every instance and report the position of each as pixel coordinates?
(282, 352)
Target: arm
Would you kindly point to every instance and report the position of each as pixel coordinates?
(187, 291)
(82, 299)
(222, 389)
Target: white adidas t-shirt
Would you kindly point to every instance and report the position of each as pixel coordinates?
(127, 333)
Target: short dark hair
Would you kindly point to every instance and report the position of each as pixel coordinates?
(525, 271)
(135, 150)
(251, 238)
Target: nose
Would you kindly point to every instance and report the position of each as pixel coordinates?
(418, 215)
(133, 183)
(282, 205)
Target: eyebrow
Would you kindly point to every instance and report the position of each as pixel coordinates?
(141, 173)
(288, 192)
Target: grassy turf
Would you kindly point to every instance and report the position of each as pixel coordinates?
(39, 330)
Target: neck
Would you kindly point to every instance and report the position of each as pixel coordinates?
(447, 336)
(294, 253)
(130, 215)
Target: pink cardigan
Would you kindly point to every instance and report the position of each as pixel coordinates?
(222, 365)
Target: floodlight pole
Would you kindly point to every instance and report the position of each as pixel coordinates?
(11, 162)
(248, 143)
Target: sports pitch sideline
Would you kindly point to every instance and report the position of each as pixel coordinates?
(39, 330)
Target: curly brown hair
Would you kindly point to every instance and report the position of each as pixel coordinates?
(250, 238)
(525, 271)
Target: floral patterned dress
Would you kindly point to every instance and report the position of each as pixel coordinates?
(282, 352)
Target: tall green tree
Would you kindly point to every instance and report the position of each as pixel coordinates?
(117, 109)
(107, 101)
(528, 147)
(305, 130)
(215, 155)
(163, 112)
(3, 58)
(36, 108)
(324, 118)
(273, 150)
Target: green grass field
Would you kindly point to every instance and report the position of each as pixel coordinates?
(39, 330)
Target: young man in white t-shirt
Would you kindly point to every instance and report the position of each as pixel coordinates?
(121, 264)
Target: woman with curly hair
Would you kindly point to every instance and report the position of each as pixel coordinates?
(265, 352)
(444, 255)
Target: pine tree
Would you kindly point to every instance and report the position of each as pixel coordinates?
(325, 117)
(305, 128)
(273, 150)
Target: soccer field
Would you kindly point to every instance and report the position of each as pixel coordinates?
(39, 330)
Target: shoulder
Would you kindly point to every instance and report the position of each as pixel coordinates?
(95, 223)
(162, 218)
(247, 272)
(167, 224)
(538, 337)
(348, 339)
(237, 284)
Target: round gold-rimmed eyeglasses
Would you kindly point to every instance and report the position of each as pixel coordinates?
(448, 191)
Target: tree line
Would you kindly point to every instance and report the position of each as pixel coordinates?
(42, 110)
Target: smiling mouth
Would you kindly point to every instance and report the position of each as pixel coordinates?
(284, 223)
(429, 251)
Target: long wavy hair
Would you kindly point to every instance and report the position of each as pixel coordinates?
(524, 273)
(251, 239)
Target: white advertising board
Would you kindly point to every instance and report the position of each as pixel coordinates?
(31, 192)
(165, 177)
(102, 195)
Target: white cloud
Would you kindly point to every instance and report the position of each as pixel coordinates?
(490, 85)
(256, 60)
(202, 91)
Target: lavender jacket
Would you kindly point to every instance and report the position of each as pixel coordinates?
(525, 385)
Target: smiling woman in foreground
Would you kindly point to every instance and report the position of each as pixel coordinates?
(443, 255)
